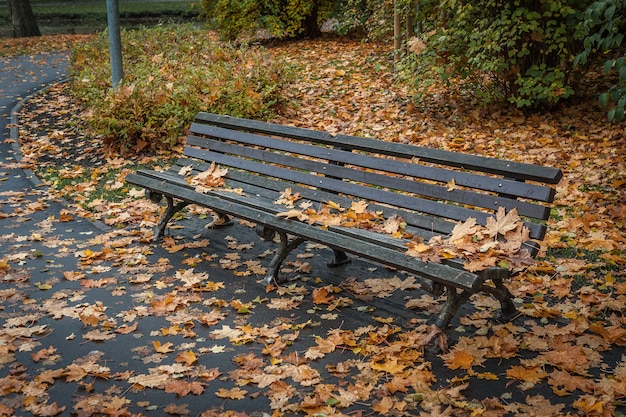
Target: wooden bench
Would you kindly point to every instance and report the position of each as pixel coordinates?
(265, 159)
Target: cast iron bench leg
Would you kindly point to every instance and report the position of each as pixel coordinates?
(340, 258)
(285, 248)
(508, 311)
(170, 211)
(220, 220)
(454, 300)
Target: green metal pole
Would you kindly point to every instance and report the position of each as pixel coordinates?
(115, 41)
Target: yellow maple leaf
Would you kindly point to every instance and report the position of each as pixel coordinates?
(459, 359)
(390, 365)
(162, 348)
(335, 206)
(188, 358)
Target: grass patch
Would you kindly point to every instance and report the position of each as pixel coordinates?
(84, 186)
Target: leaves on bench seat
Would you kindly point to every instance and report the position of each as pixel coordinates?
(207, 180)
(499, 243)
(332, 214)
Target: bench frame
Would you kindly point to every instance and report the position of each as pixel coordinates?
(265, 158)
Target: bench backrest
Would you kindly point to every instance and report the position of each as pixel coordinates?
(431, 181)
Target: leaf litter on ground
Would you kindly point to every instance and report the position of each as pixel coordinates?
(563, 355)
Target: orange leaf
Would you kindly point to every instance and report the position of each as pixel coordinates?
(188, 358)
(521, 373)
(182, 388)
(459, 359)
(125, 329)
(321, 296)
(233, 394)
(166, 348)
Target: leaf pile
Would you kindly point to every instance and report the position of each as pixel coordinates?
(107, 323)
(499, 243)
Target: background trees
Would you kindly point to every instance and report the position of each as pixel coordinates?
(22, 19)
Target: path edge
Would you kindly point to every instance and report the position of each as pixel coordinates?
(14, 136)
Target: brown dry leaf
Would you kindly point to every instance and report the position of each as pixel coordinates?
(177, 409)
(294, 214)
(383, 406)
(150, 380)
(207, 180)
(463, 230)
(521, 373)
(503, 222)
(186, 170)
(183, 388)
(390, 366)
(232, 394)
(359, 207)
(46, 410)
(459, 359)
(288, 198)
(126, 329)
(190, 278)
(323, 295)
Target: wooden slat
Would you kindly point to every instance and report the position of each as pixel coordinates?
(507, 169)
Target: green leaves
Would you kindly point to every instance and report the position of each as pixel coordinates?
(526, 52)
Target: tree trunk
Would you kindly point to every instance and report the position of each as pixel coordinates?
(22, 19)
(311, 25)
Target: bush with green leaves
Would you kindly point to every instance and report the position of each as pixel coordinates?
(604, 24)
(374, 17)
(279, 18)
(170, 74)
(518, 50)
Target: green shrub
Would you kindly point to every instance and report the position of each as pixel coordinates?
(374, 17)
(604, 29)
(171, 73)
(279, 18)
(520, 50)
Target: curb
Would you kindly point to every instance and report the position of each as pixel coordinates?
(17, 152)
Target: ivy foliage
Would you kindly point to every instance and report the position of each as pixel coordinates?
(604, 22)
(278, 18)
(170, 74)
